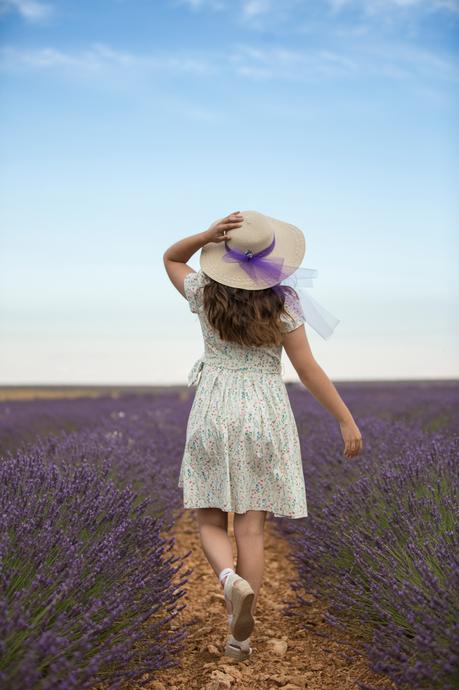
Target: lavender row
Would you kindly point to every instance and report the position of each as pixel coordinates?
(381, 542)
(142, 436)
(86, 582)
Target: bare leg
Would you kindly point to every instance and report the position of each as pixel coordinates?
(249, 533)
(216, 544)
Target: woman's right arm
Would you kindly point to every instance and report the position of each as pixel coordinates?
(314, 378)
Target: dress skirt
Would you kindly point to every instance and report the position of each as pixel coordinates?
(242, 450)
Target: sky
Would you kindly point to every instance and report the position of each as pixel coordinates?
(126, 125)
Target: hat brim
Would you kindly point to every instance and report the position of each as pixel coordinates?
(290, 245)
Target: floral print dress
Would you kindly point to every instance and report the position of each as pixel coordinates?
(242, 450)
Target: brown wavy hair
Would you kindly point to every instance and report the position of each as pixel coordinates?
(247, 317)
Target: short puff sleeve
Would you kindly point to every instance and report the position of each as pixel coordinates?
(193, 286)
(295, 315)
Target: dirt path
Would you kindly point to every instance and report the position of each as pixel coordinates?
(309, 661)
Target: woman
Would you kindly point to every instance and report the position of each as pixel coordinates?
(242, 451)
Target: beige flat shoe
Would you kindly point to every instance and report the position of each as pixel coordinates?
(239, 592)
(234, 650)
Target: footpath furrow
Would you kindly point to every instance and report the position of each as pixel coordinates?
(285, 653)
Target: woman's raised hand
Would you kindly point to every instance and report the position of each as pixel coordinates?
(352, 438)
(218, 229)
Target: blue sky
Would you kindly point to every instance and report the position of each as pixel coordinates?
(128, 124)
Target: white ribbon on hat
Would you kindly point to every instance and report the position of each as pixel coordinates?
(321, 320)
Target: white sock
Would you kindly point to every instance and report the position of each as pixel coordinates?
(224, 573)
(222, 577)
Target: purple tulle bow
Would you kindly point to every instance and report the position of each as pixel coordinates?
(257, 265)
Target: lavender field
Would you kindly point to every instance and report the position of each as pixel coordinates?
(88, 492)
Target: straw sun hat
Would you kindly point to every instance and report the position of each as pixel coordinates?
(259, 254)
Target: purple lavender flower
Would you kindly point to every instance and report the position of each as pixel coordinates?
(86, 586)
(381, 543)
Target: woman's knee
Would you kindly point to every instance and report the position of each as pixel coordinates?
(249, 524)
(212, 516)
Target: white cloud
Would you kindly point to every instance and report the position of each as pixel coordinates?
(337, 5)
(193, 4)
(100, 57)
(379, 59)
(423, 63)
(374, 7)
(290, 65)
(196, 5)
(394, 61)
(251, 13)
(255, 8)
(30, 10)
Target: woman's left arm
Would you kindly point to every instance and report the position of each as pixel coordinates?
(176, 256)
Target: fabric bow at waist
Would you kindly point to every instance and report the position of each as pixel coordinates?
(195, 374)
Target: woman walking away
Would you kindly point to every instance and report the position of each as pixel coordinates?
(242, 451)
